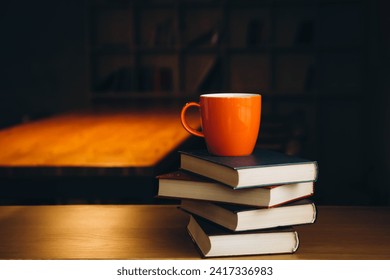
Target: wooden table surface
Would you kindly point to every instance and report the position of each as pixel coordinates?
(129, 140)
(158, 232)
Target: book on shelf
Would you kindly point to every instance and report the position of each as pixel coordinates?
(244, 218)
(215, 241)
(165, 79)
(181, 185)
(147, 77)
(261, 168)
(164, 33)
(155, 78)
(120, 80)
(254, 32)
(210, 78)
(204, 78)
(210, 38)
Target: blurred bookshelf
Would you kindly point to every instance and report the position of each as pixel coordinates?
(308, 58)
(279, 48)
(296, 53)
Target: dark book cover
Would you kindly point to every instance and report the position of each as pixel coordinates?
(215, 241)
(259, 158)
(184, 176)
(235, 208)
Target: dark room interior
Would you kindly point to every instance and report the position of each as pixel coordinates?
(96, 162)
(322, 67)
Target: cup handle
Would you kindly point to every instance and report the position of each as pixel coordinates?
(184, 122)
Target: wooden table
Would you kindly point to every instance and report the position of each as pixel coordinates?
(158, 232)
(96, 155)
(99, 141)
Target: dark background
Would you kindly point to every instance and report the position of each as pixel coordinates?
(45, 66)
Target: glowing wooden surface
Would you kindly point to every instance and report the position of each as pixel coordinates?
(158, 232)
(133, 138)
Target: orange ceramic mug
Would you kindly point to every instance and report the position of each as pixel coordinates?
(230, 122)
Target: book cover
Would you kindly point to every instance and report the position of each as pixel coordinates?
(184, 185)
(243, 218)
(215, 241)
(262, 167)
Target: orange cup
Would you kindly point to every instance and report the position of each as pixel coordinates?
(230, 122)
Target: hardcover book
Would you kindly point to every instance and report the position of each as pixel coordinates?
(183, 185)
(214, 241)
(243, 218)
(261, 168)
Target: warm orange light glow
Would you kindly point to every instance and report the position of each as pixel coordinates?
(132, 138)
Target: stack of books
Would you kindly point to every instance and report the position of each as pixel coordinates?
(243, 205)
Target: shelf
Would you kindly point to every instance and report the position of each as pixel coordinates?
(125, 49)
(282, 96)
(286, 48)
(135, 95)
